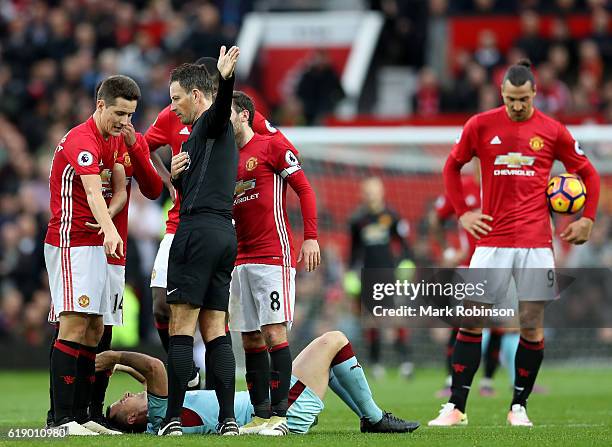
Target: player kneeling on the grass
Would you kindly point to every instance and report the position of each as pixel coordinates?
(516, 145)
(328, 361)
(263, 281)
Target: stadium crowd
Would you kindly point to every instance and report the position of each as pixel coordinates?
(52, 54)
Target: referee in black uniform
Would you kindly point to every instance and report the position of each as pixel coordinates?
(203, 252)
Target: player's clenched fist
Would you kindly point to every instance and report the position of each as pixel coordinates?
(180, 162)
(227, 61)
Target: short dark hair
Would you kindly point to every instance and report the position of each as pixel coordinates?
(117, 86)
(520, 73)
(210, 63)
(192, 77)
(123, 426)
(242, 101)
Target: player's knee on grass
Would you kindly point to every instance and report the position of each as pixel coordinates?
(161, 309)
(274, 334)
(253, 340)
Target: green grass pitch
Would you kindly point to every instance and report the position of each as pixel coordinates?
(576, 412)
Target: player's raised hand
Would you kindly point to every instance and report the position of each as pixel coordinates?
(129, 134)
(474, 223)
(578, 232)
(113, 244)
(179, 163)
(311, 254)
(227, 61)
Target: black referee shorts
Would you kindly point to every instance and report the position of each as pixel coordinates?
(201, 261)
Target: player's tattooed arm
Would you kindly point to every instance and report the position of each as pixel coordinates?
(151, 369)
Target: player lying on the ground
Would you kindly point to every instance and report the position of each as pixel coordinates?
(327, 361)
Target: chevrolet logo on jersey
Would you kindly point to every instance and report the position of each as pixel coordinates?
(514, 160)
(242, 187)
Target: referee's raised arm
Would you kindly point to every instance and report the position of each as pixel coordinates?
(217, 117)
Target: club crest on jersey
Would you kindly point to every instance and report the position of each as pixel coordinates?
(85, 158)
(251, 163)
(243, 186)
(536, 143)
(291, 159)
(127, 162)
(83, 301)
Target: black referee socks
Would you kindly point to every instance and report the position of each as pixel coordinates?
(223, 365)
(180, 368)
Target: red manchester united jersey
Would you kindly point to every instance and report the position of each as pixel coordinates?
(516, 159)
(82, 151)
(121, 219)
(444, 210)
(168, 130)
(262, 226)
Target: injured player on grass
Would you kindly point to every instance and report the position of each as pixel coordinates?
(328, 361)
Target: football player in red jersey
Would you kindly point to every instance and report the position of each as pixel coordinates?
(516, 145)
(461, 257)
(135, 162)
(263, 281)
(75, 255)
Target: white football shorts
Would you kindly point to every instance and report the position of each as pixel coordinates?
(159, 275)
(261, 294)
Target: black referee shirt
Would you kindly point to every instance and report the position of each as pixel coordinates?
(208, 185)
